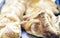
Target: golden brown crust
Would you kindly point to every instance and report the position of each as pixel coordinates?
(10, 18)
(9, 28)
(37, 5)
(40, 19)
(40, 26)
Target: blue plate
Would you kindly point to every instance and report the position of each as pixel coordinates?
(2, 3)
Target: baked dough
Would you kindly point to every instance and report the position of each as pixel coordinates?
(10, 18)
(14, 6)
(34, 6)
(40, 19)
(9, 26)
(41, 25)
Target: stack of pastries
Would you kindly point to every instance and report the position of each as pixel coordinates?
(40, 19)
(37, 17)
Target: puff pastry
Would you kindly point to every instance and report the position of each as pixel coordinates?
(40, 19)
(10, 18)
(41, 25)
(9, 26)
(36, 5)
(14, 6)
